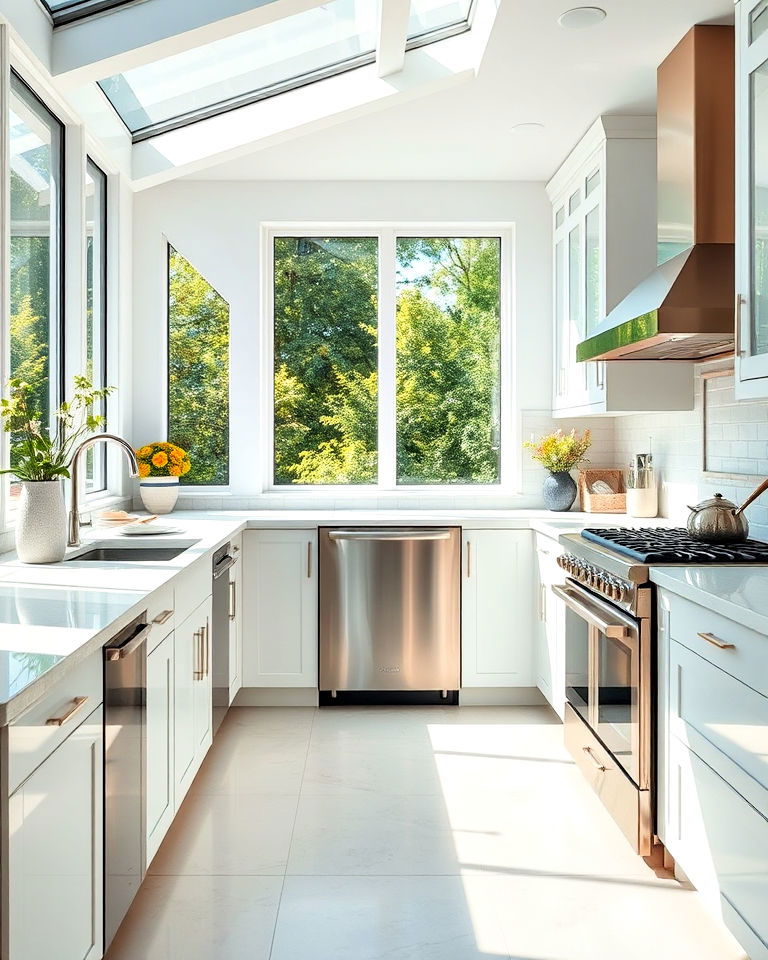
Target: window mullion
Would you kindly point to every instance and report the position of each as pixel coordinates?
(387, 370)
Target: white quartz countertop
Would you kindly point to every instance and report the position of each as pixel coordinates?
(737, 592)
(52, 616)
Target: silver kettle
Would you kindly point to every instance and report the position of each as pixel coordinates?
(717, 520)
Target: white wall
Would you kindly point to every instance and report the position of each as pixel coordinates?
(217, 225)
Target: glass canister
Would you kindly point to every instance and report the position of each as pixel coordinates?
(642, 489)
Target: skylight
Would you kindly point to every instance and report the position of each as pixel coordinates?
(67, 11)
(243, 68)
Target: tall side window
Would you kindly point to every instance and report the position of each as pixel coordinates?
(36, 271)
(198, 372)
(96, 309)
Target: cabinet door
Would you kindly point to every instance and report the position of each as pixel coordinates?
(752, 199)
(498, 591)
(280, 608)
(550, 652)
(235, 621)
(185, 660)
(55, 853)
(160, 804)
(203, 688)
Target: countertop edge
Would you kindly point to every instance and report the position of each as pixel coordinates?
(668, 579)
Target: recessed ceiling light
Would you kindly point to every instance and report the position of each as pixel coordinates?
(528, 127)
(579, 18)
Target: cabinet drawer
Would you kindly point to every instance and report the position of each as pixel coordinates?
(192, 587)
(705, 701)
(160, 613)
(745, 655)
(720, 842)
(31, 738)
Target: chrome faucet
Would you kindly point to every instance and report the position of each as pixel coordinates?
(74, 513)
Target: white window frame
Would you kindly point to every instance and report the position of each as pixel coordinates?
(386, 233)
(78, 146)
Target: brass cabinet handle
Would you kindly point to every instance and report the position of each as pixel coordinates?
(309, 559)
(469, 559)
(232, 599)
(163, 617)
(717, 642)
(597, 762)
(737, 320)
(77, 704)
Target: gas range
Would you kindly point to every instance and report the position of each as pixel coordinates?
(614, 562)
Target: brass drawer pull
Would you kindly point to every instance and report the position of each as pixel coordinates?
(163, 617)
(77, 704)
(597, 762)
(717, 642)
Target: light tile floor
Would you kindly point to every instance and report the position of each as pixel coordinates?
(431, 833)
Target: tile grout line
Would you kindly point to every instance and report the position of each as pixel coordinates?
(290, 841)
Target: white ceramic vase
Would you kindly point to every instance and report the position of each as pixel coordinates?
(41, 522)
(159, 494)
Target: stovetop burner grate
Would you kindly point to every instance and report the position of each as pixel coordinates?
(675, 545)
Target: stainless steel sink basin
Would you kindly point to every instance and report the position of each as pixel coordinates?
(128, 554)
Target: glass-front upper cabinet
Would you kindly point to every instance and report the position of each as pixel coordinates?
(752, 199)
(604, 232)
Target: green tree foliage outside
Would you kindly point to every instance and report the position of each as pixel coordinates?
(326, 356)
(448, 354)
(198, 372)
(325, 342)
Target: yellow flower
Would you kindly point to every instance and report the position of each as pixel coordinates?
(177, 455)
(174, 470)
(143, 469)
(186, 468)
(160, 459)
(144, 452)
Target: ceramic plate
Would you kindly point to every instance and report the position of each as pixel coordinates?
(148, 529)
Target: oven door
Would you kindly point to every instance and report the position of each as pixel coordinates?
(607, 681)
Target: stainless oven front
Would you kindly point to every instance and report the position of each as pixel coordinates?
(608, 677)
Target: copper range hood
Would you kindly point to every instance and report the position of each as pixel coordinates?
(684, 309)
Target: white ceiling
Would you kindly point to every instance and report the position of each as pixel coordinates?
(533, 71)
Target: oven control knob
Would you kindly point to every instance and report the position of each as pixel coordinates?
(619, 591)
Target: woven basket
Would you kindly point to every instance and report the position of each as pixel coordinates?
(602, 502)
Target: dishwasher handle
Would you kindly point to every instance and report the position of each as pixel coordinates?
(223, 565)
(390, 534)
(129, 645)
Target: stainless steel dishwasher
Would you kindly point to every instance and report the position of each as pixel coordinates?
(125, 798)
(390, 609)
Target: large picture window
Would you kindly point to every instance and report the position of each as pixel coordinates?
(36, 190)
(198, 372)
(96, 309)
(387, 359)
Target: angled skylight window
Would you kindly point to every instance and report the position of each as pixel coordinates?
(430, 16)
(258, 63)
(67, 11)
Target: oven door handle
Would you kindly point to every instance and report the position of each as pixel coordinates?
(591, 614)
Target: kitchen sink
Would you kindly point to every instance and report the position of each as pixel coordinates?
(128, 554)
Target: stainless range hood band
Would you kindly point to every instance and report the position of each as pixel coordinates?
(633, 331)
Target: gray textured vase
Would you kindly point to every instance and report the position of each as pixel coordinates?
(559, 491)
(41, 522)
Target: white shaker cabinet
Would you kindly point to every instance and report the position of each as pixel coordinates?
(279, 605)
(604, 243)
(751, 199)
(160, 740)
(498, 586)
(713, 782)
(193, 697)
(55, 852)
(550, 635)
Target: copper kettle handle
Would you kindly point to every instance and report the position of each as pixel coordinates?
(753, 496)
